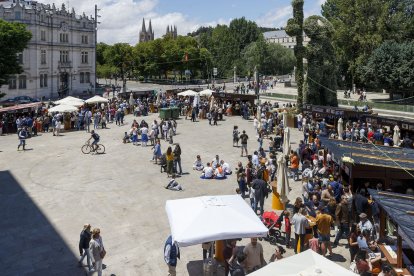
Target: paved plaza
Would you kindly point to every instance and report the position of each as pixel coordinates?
(50, 191)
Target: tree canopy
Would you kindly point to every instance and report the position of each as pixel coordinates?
(391, 66)
(13, 40)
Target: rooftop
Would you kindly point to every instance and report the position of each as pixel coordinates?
(371, 155)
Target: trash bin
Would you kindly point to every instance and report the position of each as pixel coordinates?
(165, 113)
(175, 112)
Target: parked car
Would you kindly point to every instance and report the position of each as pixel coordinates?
(18, 100)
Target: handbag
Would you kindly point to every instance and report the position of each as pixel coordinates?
(103, 253)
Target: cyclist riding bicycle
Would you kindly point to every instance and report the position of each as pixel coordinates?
(95, 137)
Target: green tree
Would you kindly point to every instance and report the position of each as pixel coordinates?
(120, 57)
(361, 26)
(295, 28)
(13, 40)
(320, 54)
(391, 67)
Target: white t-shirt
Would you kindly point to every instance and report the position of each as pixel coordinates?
(208, 172)
(144, 130)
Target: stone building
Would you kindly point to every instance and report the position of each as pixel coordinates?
(60, 58)
(171, 30)
(282, 38)
(146, 35)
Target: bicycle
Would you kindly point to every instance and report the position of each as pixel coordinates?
(88, 148)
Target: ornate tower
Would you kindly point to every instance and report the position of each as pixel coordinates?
(145, 35)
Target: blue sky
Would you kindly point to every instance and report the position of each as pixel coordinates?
(121, 20)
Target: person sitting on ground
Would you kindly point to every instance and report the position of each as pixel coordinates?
(173, 184)
(226, 167)
(278, 255)
(207, 172)
(215, 162)
(198, 164)
(126, 138)
(219, 172)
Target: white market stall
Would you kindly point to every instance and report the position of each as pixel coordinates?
(188, 93)
(307, 263)
(96, 99)
(69, 100)
(206, 92)
(210, 218)
(63, 108)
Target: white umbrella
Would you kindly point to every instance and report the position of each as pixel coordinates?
(284, 119)
(206, 92)
(340, 128)
(396, 136)
(307, 263)
(63, 108)
(286, 141)
(196, 100)
(96, 99)
(282, 179)
(68, 99)
(210, 218)
(131, 99)
(187, 93)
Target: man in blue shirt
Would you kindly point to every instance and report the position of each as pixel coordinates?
(171, 255)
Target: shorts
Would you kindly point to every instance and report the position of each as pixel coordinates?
(324, 238)
(95, 142)
(244, 146)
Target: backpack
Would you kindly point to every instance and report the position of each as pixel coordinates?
(235, 134)
(244, 139)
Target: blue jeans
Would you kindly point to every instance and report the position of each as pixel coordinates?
(242, 187)
(178, 162)
(343, 229)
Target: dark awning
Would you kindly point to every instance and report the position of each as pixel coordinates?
(397, 207)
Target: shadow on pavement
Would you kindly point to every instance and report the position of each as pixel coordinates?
(30, 245)
(195, 268)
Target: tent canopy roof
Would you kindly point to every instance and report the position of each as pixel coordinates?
(397, 207)
(210, 218)
(305, 263)
(367, 154)
(97, 99)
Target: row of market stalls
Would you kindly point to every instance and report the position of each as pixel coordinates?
(333, 114)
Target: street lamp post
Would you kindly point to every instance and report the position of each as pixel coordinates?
(235, 76)
(256, 86)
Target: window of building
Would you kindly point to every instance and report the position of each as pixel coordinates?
(64, 38)
(87, 77)
(84, 39)
(22, 82)
(42, 56)
(84, 57)
(64, 56)
(20, 58)
(17, 15)
(12, 82)
(43, 35)
(82, 77)
(43, 80)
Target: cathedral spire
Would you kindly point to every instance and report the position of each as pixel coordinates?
(143, 26)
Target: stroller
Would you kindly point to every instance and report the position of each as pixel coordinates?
(271, 221)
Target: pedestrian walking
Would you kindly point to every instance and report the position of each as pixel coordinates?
(22, 137)
(177, 160)
(85, 238)
(171, 255)
(97, 250)
(244, 139)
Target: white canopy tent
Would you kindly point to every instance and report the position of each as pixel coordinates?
(210, 218)
(63, 108)
(96, 99)
(187, 93)
(206, 92)
(69, 100)
(340, 128)
(307, 263)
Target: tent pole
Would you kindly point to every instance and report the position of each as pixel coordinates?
(399, 251)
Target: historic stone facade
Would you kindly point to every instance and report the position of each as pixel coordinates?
(145, 35)
(282, 38)
(172, 30)
(60, 57)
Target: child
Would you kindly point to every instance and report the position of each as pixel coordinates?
(126, 138)
(288, 228)
(198, 164)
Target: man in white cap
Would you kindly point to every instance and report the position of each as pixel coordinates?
(364, 223)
